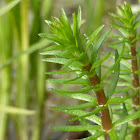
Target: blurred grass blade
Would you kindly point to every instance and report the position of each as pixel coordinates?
(15, 110)
(8, 7)
(30, 50)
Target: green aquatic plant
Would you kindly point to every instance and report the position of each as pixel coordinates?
(79, 55)
(128, 24)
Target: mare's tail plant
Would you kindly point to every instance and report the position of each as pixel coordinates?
(80, 55)
(128, 26)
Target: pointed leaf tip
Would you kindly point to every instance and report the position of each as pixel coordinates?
(93, 35)
(47, 21)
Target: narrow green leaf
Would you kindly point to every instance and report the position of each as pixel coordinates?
(123, 90)
(113, 135)
(115, 77)
(79, 18)
(116, 100)
(74, 25)
(82, 90)
(118, 26)
(54, 47)
(79, 96)
(74, 65)
(114, 15)
(78, 77)
(64, 18)
(85, 122)
(92, 118)
(98, 69)
(56, 60)
(8, 7)
(114, 66)
(126, 78)
(121, 19)
(63, 54)
(98, 44)
(100, 61)
(121, 10)
(121, 29)
(98, 87)
(128, 118)
(126, 63)
(115, 43)
(119, 84)
(54, 38)
(123, 84)
(136, 25)
(59, 72)
(135, 91)
(76, 94)
(132, 20)
(77, 128)
(95, 111)
(82, 106)
(123, 130)
(64, 81)
(73, 48)
(116, 36)
(95, 136)
(131, 130)
(68, 63)
(110, 112)
(93, 36)
(136, 39)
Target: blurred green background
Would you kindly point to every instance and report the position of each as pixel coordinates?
(25, 98)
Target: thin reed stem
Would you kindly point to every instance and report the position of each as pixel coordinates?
(23, 71)
(5, 74)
